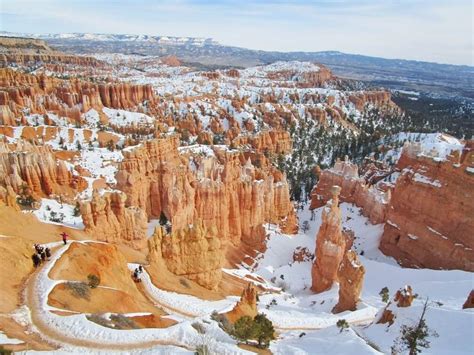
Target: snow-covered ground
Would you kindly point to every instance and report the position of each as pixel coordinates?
(303, 320)
(446, 289)
(52, 211)
(77, 326)
(4, 339)
(443, 144)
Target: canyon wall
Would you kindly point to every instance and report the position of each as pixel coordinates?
(354, 189)
(222, 190)
(37, 168)
(107, 219)
(430, 221)
(195, 252)
(427, 212)
(40, 93)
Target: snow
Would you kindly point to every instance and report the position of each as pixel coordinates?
(185, 304)
(4, 339)
(325, 341)
(151, 227)
(123, 118)
(296, 306)
(201, 149)
(440, 143)
(79, 327)
(52, 209)
(101, 162)
(425, 180)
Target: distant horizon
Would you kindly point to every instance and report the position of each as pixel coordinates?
(223, 44)
(435, 31)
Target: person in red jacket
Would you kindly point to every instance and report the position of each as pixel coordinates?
(65, 237)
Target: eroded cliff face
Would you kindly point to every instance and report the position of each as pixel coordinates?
(107, 219)
(430, 222)
(275, 141)
(221, 190)
(8, 197)
(351, 279)
(37, 168)
(307, 78)
(195, 252)
(330, 246)
(354, 189)
(376, 98)
(70, 98)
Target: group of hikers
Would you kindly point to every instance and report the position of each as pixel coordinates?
(42, 254)
(136, 274)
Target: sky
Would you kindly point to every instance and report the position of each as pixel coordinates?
(430, 30)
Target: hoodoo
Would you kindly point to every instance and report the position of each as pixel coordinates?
(330, 245)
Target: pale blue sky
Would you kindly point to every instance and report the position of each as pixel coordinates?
(431, 30)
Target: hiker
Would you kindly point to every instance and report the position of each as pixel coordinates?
(43, 256)
(65, 236)
(136, 278)
(36, 260)
(48, 252)
(140, 269)
(38, 248)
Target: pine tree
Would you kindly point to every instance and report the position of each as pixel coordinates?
(414, 338)
(244, 329)
(384, 293)
(264, 329)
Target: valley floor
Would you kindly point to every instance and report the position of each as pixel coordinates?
(303, 320)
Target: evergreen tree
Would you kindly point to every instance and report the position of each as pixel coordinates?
(384, 293)
(244, 329)
(264, 329)
(415, 337)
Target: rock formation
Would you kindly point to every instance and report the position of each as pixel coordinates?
(247, 305)
(469, 301)
(194, 252)
(351, 278)
(236, 198)
(385, 316)
(306, 78)
(302, 254)
(354, 189)
(430, 221)
(29, 51)
(330, 245)
(39, 93)
(37, 168)
(171, 60)
(8, 197)
(107, 219)
(377, 98)
(274, 141)
(404, 297)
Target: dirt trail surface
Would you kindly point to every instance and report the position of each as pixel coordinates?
(34, 301)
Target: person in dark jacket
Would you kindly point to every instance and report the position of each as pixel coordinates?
(36, 260)
(48, 252)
